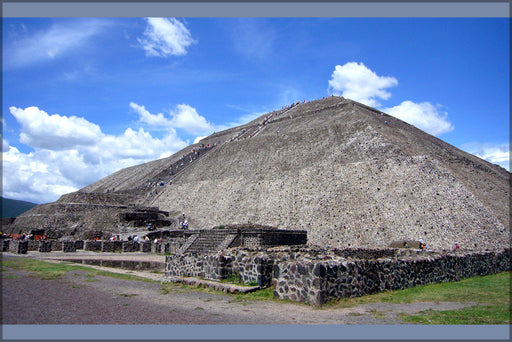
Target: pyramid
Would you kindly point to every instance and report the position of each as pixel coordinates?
(348, 174)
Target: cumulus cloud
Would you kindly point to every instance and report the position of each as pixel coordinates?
(69, 157)
(151, 119)
(425, 116)
(198, 139)
(183, 117)
(187, 118)
(494, 153)
(57, 41)
(355, 81)
(40, 130)
(166, 37)
(32, 178)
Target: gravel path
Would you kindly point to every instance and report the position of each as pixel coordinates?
(78, 298)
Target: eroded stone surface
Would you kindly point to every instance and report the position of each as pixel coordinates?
(331, 167)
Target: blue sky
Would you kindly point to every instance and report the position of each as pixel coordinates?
(84, 97)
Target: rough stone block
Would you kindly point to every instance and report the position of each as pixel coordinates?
(45, 246)
(18, 247)
(68, 247)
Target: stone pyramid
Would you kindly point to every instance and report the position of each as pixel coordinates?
(349, 174)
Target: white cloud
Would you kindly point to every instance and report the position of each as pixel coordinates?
(166, 37)
(494, 153)
(151, 119)
(40, 130)
(55, 42)
(187, 118)
(423, 115)
(355, 81)
(183, 117)
(33, 178)
(198, 139)
(70, 157)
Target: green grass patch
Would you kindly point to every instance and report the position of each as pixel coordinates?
(492, 288)
(234, 279)
(262, 294)
(491, 293)
(52, 270)
(479, 314)
(10, 277)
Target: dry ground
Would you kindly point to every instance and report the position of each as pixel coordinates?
(78, 298)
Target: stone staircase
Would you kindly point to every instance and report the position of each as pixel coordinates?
(208, 243)
(191, 239)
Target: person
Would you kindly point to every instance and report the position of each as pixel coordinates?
(422, 245)
(136, 238)
(456, 246)
(185, 224)
(130, 238)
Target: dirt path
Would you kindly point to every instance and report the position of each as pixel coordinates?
(77, 298)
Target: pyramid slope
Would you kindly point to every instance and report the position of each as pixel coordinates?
(332, 167)
(349, 180)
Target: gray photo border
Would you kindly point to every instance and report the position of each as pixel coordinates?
(226, 8)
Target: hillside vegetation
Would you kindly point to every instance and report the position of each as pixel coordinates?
(13, 208)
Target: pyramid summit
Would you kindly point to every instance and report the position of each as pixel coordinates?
(348, 174)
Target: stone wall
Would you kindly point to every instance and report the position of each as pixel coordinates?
(315, 277)
(250, 265)
(319, 281)
(207, 266)
(112, 246)
(33, 245)
(131, 246)
(18, 247)
(68, 246)
(156, 247)
(56, 245)
(145, 247)
(249, 236)
(95, 246)
(45, 246)
(5, 245)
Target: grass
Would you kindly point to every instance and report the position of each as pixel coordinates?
(234, 279)
(490, 293)
(50, 270)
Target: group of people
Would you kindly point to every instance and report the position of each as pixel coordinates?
(115, 238)
(136, 238)
(174, 167)
(25, 237)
